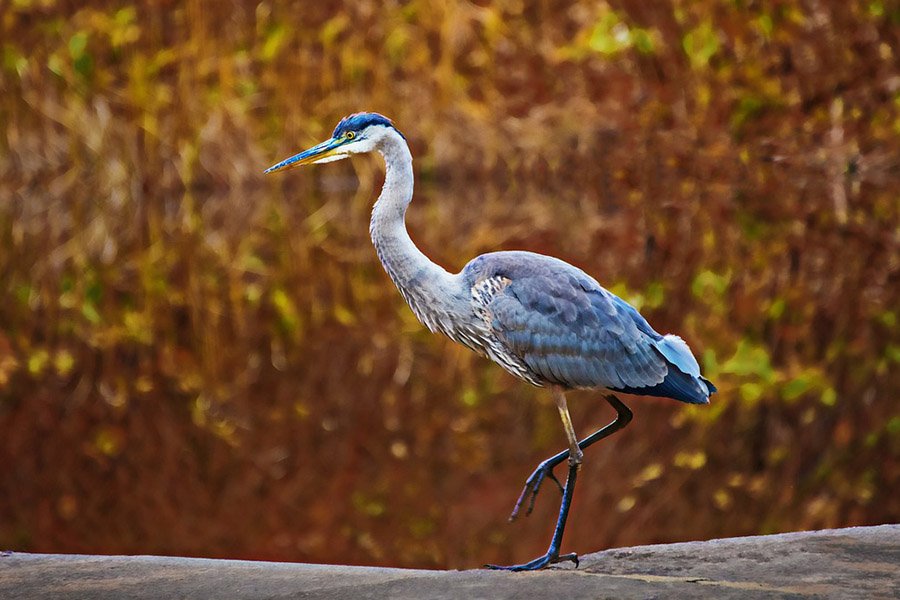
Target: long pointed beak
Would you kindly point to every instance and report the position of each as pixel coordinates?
(318, 153)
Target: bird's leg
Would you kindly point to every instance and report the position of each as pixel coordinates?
(545, 469)
(575, 456)
(552, 556)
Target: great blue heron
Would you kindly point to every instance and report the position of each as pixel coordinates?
(541, 319)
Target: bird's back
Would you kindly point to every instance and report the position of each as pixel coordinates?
(549, 322)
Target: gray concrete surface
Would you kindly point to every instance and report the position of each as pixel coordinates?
(859, 562)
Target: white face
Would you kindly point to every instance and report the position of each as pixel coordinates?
(363, 141)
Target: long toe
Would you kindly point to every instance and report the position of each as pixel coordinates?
(531, 489)
(539, 563)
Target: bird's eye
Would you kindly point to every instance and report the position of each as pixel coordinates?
(351, 135)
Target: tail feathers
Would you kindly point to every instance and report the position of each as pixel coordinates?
(683, 381)
(676, 351)
(678, 386)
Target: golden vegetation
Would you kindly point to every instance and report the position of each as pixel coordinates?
(198, 360)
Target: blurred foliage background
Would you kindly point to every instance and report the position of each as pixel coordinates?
(198, 360)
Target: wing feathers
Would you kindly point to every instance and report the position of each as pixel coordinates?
(567, 334)
(548, 322)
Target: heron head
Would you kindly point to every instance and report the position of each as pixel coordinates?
(355, 134)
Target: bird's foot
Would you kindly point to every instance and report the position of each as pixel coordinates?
(551, 558)
(532, 487)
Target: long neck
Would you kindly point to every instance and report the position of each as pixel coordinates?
(423, 283)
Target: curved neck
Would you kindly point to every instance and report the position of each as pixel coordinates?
(423, 283)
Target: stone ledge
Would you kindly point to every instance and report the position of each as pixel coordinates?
(858, 562)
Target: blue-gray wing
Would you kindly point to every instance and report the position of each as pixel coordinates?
(569, 331)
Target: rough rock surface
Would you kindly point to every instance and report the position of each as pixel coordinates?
(859, 562)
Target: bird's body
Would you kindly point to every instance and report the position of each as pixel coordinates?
(558, 326)
(540, 318)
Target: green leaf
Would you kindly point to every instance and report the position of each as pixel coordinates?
(37, 362)
(654, 295)
(78, 44)
(752, 391)
(642, 40)
(89, 311)
(709, 282)
(609, 35)
(795, 388)
(750, 360)
(893, 426)
(701, 44)
(777, 308)
(275, 40)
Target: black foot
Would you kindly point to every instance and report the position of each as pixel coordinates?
(538, 563)
(532, 487)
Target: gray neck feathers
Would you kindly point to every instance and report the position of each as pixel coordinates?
(426, 286)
